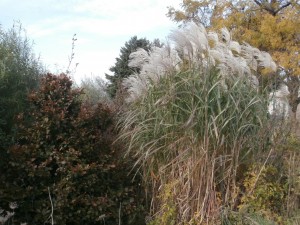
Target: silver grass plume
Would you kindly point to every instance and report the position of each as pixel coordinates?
(265, 61)
(213, 38)
(192, 45)
(226, 37)
(235, 48)
(257, 58)
(279, 102)
(159, 62)
(138, 58)
(137, 85)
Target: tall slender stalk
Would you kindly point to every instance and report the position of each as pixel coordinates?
(194, 117)
(190, 135)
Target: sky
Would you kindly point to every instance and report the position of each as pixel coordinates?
(101, 26)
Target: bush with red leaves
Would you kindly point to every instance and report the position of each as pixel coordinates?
(65, 146)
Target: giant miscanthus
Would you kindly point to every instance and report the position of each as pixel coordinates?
(194, 47)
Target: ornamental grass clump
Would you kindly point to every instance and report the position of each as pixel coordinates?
(192, 122)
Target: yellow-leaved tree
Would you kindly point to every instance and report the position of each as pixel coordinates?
(270, 25)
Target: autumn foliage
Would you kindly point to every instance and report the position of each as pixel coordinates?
(186, 139)
(271, 26)
(65, 152)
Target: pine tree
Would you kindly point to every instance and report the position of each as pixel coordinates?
(121, 70)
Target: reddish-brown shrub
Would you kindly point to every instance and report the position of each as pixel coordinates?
(66, 145)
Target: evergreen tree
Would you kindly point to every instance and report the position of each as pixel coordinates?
(121, 70)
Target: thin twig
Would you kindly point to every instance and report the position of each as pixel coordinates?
(261, 169)
(51, 215)
(72, 54)
(120, 213)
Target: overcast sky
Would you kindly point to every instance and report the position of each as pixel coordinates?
(101, 26)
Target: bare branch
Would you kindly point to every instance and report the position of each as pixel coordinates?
(257, 2)
(282, 7)
(71, 57)
(267, 6)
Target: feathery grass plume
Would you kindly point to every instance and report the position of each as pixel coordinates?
(265, 61)
(138, 58)
(160, 62)
(235, 48)
(250, 53)
(226, 37)
(192, 46)
(279, 106)
(138, 86)
(213, 39)
(191, 135)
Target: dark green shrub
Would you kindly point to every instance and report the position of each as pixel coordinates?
(20, 71)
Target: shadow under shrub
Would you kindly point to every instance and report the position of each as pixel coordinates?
(66, 145)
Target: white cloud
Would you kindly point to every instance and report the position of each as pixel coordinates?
(117, 8)
(107, 18)
(102, 28)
